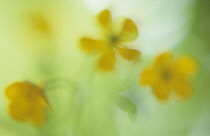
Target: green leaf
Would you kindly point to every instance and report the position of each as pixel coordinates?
(128, 106)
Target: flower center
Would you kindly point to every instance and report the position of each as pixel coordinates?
(166, 75)
(113, 40)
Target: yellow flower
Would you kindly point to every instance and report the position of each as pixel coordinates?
(39, 22)
(27, 102)
(167, 74)
(112, 41)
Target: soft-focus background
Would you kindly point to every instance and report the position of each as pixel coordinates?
(81, 99)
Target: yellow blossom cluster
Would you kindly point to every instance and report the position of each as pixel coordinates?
(29, 103)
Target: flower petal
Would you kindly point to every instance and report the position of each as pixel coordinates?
(26, 111)
(28, 102)
(12, 90)
(129, 31)
(107, 61)
(182, 88)
(162, 91)
(19, 109)
(104, 18)
(37, 117)
(146, 77)
(164, 59)
(185, 65)
(18, 89)
(88, 44)
(129, 54)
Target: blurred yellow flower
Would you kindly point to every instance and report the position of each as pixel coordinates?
(167, 74)
(28, 102)
(112, 41)
(40, 23)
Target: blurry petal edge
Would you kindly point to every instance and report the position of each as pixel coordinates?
(104, 18)
(129, 54)
(107, 61)
(89, 45)
(129, 31)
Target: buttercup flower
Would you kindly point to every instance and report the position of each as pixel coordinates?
(167, 74)
(27, 102)
(112, 41)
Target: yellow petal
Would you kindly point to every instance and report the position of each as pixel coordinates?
(182, 88)
(28, 102)
(146, 77)
(104, 18)
(88, 44)
(164, 59)
(38, 115)
(129, 31)
(19, 109)
(18, 89)
(107, 61)
(129, 54)
(185, 65)
(22, 110)
(12, 91)
(24, 90)
(162, 91)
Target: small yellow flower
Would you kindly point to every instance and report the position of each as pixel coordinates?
(112, 41)
(40, 22)
(167, 74)
(27, 102)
